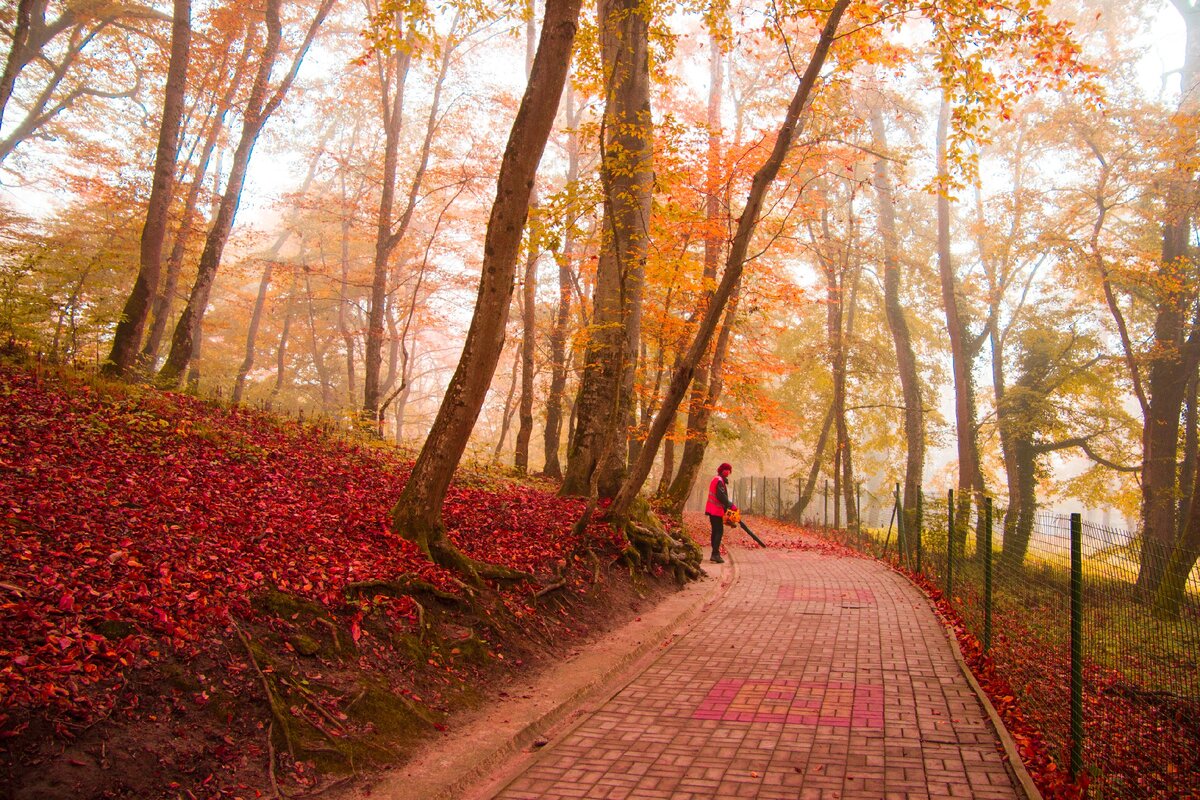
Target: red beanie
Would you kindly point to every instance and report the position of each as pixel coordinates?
(724, 467)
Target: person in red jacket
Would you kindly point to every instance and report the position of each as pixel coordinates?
(718, 502)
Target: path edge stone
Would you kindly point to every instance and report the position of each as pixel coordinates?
(1015, 764)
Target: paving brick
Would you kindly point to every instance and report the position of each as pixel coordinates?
(815, 676)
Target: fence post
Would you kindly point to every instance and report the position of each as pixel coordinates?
(764, 495)
(987, 574)
(779, 497)
(920, 523)
(825, 502)
(858, 511)
(1076, 645)
(901, 533)
(950, 547)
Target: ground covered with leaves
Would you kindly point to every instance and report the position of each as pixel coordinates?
(202, 601)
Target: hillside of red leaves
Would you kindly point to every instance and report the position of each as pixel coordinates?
(140, 532)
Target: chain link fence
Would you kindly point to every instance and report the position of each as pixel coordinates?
(1106, 670)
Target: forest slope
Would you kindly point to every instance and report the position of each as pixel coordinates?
(206, 601)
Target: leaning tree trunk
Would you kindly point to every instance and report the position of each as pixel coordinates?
(814, 471)
(906, 359)
(734, 265)
(257, 111)
(606, 397)
(148, 359)
(703, 399)
(132, 325)
(417, 515)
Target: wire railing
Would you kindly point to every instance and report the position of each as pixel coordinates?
(1105, 668)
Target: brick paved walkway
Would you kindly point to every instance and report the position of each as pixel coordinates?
(816, 676)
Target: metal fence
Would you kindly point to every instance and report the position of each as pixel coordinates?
(1110, 680)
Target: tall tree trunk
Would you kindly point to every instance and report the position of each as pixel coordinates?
(528, 309)
(148, 360)
(258, 110)
(132, 325)
(702, 399)
(558, 335)
(734, 265)
(1174, 353)
(962, 351)
(418, 513)
(906, 359)
(343, 306)
(389, 232)
(393, 75)
(606, 401)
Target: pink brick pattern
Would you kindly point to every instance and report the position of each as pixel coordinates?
(815, 677)
(841, 705)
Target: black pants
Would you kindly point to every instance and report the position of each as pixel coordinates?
(718, 530)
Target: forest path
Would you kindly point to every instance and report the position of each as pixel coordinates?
(801, 672)
(816, 675)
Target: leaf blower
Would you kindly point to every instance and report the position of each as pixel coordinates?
(734, 517)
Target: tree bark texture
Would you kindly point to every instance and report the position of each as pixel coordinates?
(970, 477)
(605, 406)
(258, 110)
(132, 324)
(735, 263)
(703, 399)
(906, 359)
(1176, 348)
(558, 334)
(417, 514)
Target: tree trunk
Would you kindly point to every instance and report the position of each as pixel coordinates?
(962, 352)
(343, 305)
(258, 110)
(558, 335)
(506, 417)
(695, 443)
(393, 68)
(606, 405)
(271, 258)
(734, 264)
(18, 48)
(703, 399)
(906, 359)
(529, 295)
(418, 513)
(148, 360)
(814, 472)
(528, 334)
(285, 338)
(130, 328)
(318, 352)
(1174, 352)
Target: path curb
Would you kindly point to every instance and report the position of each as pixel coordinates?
(600, 665)
(1013, 754)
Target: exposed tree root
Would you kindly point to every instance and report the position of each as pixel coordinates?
(404, 586)
(651, 543)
